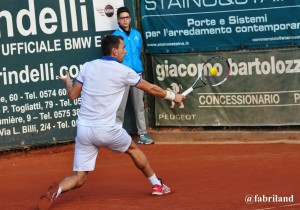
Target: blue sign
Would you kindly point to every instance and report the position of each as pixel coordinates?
(210, 25)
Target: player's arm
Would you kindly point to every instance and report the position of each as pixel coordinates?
(76, 90)
(159, 92)
(73, 90)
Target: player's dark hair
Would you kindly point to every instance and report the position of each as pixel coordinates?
(121, 10)
(109, 42)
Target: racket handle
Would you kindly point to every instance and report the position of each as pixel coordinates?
(185, 93)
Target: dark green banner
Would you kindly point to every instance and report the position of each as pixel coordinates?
(40, 40)
(262, 90)
(209, 25)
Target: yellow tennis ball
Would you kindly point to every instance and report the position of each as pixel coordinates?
(213, 71)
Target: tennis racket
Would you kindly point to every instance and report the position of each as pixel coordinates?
(205, 77)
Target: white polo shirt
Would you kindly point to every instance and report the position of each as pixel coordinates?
(103, 85)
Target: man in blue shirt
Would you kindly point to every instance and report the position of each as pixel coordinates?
(133, 46)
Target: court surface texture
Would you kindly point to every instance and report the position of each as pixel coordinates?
(201, 176)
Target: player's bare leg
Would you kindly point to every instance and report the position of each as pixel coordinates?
(141, 162)
(69, 183)
(75, 181)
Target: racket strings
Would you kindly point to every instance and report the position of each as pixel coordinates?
(223, 70)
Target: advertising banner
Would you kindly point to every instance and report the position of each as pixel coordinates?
(210, 25)
(262, 90)
(40, 40)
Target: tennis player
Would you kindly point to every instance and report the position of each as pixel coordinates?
(101, 84)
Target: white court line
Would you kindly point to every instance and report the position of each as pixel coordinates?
(243, 10)
(284, 206)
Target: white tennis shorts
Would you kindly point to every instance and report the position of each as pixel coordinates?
(89, 139)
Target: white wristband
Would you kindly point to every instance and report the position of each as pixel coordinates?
(170, 96)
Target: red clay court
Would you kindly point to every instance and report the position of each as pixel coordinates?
(201, 176)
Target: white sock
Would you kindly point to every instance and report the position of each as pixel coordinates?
(154, 180)
(58, 192)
